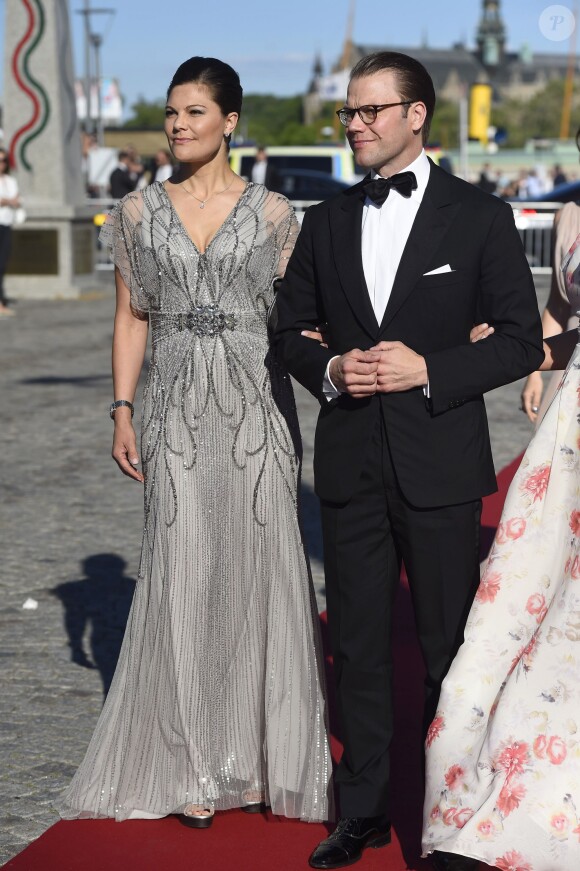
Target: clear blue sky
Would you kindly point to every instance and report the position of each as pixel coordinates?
(272, 43)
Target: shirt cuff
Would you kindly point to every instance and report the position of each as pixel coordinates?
(427, 391)
(328, 388)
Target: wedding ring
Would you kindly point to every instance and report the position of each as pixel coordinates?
(535, 409)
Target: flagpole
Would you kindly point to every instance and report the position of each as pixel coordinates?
(346, 59)
(569, 85)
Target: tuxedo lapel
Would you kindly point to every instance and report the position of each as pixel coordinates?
(345, 228)
(432, 221)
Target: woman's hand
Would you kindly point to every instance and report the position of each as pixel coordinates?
(532, 395)
(124, 450)
(479, 332)
(317, 335)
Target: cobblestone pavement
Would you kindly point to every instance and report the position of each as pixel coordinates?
(71, 528)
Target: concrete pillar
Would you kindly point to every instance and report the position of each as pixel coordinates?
(53, 252)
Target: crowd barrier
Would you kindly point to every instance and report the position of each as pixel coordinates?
(534, 222)
(534, 227)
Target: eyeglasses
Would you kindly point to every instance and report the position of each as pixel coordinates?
(367, 114)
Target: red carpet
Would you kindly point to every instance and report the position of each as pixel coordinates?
(240, 842)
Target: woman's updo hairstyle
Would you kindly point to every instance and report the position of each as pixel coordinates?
(218, 77)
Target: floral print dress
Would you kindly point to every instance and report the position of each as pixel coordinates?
(503, 752)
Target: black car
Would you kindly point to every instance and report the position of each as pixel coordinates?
(563, 193)
(307, 185)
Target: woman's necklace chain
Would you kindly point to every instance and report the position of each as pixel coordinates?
(215, 193)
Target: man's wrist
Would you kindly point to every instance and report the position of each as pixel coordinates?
(332, 375)
(329, 388)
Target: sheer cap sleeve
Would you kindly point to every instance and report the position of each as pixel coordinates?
(121, 235)
(566, 232)
(571, 272)
(280, 213)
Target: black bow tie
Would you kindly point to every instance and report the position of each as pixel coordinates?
(378, 189)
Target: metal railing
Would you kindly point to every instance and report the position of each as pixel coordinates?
(533, 221)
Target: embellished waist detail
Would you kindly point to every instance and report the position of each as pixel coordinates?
(203, 320)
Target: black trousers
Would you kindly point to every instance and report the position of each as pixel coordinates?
(364, 542)
(5, 238)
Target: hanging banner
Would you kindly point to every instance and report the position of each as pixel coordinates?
(479, 112)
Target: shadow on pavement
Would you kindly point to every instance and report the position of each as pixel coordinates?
(97, 606)
(69, 379)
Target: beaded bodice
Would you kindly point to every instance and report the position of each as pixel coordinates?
(211, 294)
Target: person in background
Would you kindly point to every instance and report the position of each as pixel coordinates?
(164, 165)
(88, 143)
(534, 186)
(262, 172)
(123, 180)
(510, 189)
(485, 182)
(9, 201)
(558, 176)
(557, 315)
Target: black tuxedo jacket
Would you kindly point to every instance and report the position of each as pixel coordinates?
(440, 447)
(121, 183)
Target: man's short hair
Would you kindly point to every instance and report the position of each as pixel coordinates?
(414, 82)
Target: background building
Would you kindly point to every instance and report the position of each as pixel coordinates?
(512, 74)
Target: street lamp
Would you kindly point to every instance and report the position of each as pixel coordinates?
(94, 41)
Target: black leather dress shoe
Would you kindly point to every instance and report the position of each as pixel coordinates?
(346, 844)
(452, 862)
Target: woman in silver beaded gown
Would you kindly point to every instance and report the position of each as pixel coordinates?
(218, 699)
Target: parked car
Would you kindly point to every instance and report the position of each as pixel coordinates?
(563, 193)
(334, 160)
(307, 185)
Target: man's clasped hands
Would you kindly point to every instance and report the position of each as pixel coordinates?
(388, 367)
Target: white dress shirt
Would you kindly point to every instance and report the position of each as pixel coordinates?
(384, 233)
(8, 191)
(164, 172)
(259, 171)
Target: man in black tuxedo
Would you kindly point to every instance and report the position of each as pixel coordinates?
(123, 180)
(399, 271)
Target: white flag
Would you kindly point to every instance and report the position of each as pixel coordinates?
(334, 86)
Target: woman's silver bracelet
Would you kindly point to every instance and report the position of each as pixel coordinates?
(118, 404)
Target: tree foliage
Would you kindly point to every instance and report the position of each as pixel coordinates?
(538, 117)
(147, 115)
(265, 118)
(445, 124)
(279, 120)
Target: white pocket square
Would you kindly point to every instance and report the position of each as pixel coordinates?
(439, 270)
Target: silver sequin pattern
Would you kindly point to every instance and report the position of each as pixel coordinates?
(219, 685)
